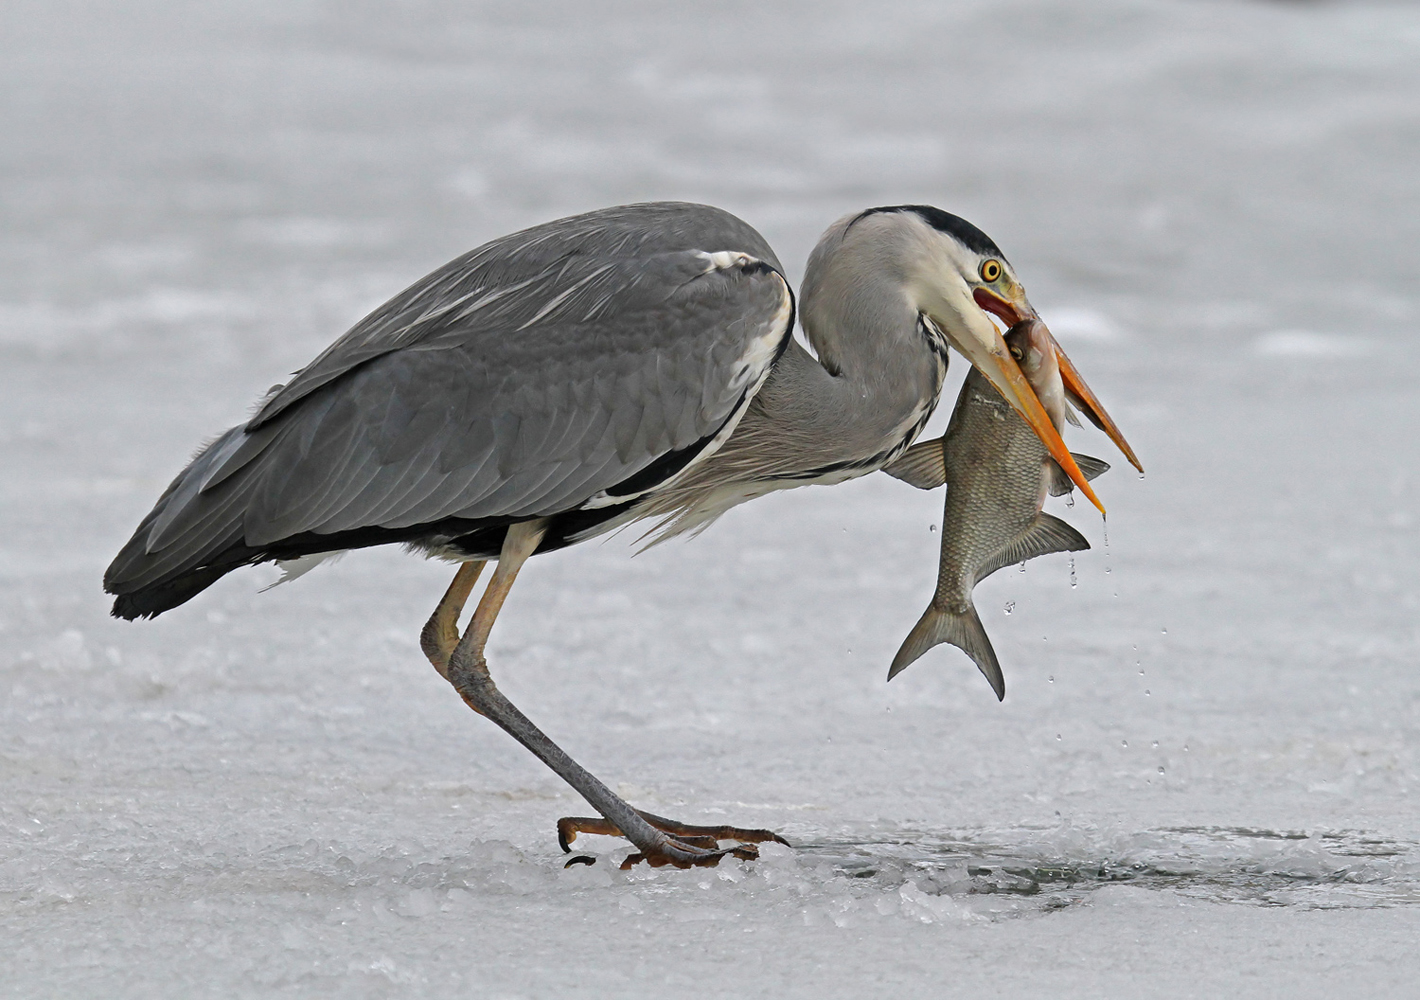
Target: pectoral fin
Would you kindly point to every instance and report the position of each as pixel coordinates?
(1060, 483)
(1046, 534)
(964, 631)
(924, 465)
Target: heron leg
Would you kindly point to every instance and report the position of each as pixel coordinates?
(467, 671)
(441, 632)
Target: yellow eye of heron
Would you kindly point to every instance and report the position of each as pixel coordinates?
(990, 270)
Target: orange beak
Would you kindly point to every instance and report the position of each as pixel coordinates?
(1011, 382)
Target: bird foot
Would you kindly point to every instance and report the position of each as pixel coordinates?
(686, 846)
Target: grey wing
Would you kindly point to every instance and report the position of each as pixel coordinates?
(506, 282)
(575, 363)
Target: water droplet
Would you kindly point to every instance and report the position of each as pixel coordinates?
(1124, 744)
(1141, 475)
(1023, 565)
(932, 528)
(1070, 499)
(1147, 692)
(1156, 744)
(1163, 631)
(1185, 748)
(1052, 678)
(1044, 638)
(1057, 737)
(1010, 606)
(1073, 582)
(1161, 769)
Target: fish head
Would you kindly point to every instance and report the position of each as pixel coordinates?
(1031, 344)
(963, 285)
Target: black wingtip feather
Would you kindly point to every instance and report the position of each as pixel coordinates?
(154, 599)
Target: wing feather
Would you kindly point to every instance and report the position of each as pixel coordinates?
(523, 379)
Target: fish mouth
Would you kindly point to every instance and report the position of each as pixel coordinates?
(1075, 387)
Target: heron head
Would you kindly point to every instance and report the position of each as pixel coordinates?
(955, 277)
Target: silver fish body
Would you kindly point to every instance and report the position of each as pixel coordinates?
(997, 474)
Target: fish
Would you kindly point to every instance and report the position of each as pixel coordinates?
(997, 474)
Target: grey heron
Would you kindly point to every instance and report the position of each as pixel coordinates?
(630, 363)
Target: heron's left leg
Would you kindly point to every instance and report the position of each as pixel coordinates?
(441, 632)
(468, 673)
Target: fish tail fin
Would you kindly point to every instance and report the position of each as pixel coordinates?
(963, 630)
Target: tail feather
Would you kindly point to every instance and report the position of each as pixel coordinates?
(963, 630)
(185, 544)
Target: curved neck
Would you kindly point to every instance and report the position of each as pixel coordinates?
(855, 408)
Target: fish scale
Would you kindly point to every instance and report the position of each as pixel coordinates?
(997, 475)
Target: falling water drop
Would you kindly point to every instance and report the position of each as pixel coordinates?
(1163, 631)
(932, 528)
(1010, 606)
(1147, 692)
(1057, 737)
(1052, 678)
(1023, 565)
(1161, 769)
(1073, 582)
(1156, 744)
(1185, 748)
(1124, 744)
(1137, 663)
(1070, 499)
(1141, 475)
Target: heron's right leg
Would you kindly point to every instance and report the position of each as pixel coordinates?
(467, 671)
(568, 827)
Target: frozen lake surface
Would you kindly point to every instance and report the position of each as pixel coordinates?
(1205, 779)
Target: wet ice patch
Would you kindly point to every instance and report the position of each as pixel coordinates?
(1018, 871)
(1306, 344)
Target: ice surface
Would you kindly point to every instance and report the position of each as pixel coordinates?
(1203, 781)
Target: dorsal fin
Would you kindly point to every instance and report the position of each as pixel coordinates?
(1060, 484)
(924, 465)
(1046, 534)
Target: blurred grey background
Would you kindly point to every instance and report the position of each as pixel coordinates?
(1213, 204)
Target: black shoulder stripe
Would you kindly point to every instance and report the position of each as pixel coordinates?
(661, 469)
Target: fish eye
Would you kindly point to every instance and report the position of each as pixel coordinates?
(990, 270)
(1018, 354)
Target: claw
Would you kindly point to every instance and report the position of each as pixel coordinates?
(581, 859)
(705, 859)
